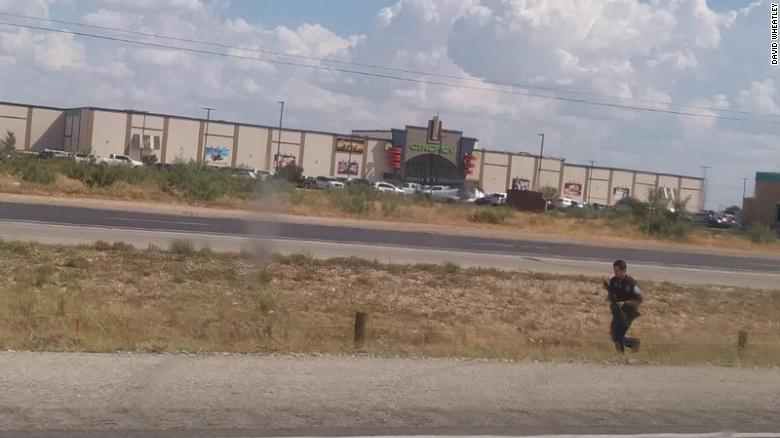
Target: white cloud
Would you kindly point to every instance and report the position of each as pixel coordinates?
(760, 97)
(648, 53)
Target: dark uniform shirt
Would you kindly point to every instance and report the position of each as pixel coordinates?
(625, 289)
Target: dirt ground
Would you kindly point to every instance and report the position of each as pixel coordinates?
(113, 298)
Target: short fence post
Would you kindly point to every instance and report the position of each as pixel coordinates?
(742, 342)
(360, 327)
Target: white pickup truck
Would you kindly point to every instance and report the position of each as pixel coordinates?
(117, 159)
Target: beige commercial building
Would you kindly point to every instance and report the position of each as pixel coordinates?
(430, 155)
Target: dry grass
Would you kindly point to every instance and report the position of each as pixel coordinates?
(110, 298)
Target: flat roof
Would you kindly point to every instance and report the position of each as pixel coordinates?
(767, 177)
(620, 169)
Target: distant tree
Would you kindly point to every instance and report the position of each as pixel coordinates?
(8, 143)
(732, 210)
(291, 172)
(548, 193)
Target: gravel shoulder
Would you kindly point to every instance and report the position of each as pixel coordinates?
(63, 391)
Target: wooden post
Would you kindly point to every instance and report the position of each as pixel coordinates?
(78, 329)
(360, 327)
(742, 340)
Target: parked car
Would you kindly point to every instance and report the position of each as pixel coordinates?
(53, 153)
(324, 182)
(561, 203)
(308, 182)
(411, 188)
(118, 159)
(358, 182)
(86, 158)
(385, 187)
(497, 199)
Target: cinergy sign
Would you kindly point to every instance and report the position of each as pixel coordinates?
(432, 148)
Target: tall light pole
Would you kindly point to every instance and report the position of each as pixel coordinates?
(206, 137)
(704, 186)
(539, 170)
(590, 178)
(278, 163)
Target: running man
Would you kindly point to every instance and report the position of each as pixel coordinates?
(624, 297)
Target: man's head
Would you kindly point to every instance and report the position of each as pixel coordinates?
(619, 267)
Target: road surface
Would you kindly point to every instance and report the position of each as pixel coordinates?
(63, 224)
(251, 395)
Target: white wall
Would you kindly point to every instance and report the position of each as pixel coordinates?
(182, 140)
(14, 118)
(47, 130)
(108, 133)
(252, 147)
(317, 155)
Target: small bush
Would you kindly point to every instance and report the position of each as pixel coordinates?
(497, 215)
(122, 246)
(40, 172)
(102, 245)
(259, 279)
(291, 173)
(43, 274)
(355, 199)
(182, 247)
(77, 262)
(761, 234)
(391, 207)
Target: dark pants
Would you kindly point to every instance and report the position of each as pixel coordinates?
(622, 317)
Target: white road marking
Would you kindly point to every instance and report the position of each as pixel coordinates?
(640, 435)
(129, 219)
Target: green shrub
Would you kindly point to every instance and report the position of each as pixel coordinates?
(122, 246)
(39, 171)
(102, 245)
(290, 173)
(391, 206)
(355, 199)
(76, 262)
(761, 234)
(182, 247)
(496, 215)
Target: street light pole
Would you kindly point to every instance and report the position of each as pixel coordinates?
(206, 137)
(704, 186)
(590, 178)
(278, 163)
(349, 160)
(539, 170)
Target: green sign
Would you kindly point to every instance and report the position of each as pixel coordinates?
(432, 148)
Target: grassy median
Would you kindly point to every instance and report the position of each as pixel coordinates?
(114, 298)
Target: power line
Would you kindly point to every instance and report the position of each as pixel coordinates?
(380, 67)
(388, 76)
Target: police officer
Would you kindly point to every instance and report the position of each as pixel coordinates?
(625, 297)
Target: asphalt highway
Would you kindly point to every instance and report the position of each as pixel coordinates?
(132, 220)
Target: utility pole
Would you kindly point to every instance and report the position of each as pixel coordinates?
(279, 143)
(206, 137)
(349, 160)
(744, 188)
(590, 178)
(539, 170)
(704, 186)
(143, 135)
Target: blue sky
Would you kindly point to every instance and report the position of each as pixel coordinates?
(703, 56)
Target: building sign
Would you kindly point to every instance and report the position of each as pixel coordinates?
(217, 155)
(621, 192)
(283, 160)
(432, 148)
(353, 146)
(350, 168)
(572, 189)
(521, 184)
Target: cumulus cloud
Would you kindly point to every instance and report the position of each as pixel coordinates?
(660, 54)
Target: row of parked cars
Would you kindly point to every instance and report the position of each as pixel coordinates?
(111, 159)
(441, 193)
